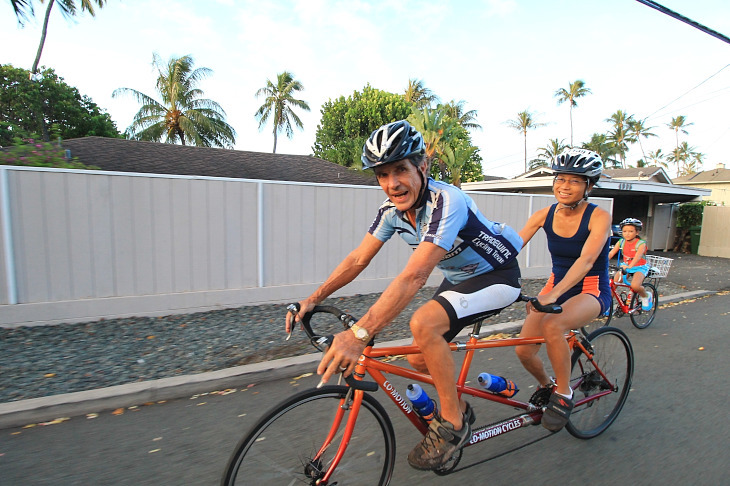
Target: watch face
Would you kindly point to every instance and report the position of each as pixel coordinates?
(361, 333)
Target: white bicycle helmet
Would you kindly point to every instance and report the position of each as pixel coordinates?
(579, 161)
(392, 142)
(636, 223)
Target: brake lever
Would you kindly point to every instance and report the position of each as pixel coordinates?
(294, 309)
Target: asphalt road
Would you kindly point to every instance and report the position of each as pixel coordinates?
(673, 429)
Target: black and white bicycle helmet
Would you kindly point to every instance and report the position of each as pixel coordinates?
(579, 161)
(392, 142)
(636, 223)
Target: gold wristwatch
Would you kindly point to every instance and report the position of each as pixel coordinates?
(361, 333)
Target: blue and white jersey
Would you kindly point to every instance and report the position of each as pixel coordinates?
(450, 219)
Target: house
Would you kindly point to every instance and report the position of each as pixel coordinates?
(646, 193)
(119, 155)
(716, 180)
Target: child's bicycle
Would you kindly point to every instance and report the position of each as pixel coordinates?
(343, 435)
(627, 302)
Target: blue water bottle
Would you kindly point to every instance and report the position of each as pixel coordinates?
(425, 407)
(498, 384)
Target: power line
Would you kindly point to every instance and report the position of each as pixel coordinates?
(688, 92)
(684, 19)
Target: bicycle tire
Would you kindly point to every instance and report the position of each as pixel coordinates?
(641, 319)
(614, 355)
(279, 447)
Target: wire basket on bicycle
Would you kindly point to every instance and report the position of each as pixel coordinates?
(658, 266)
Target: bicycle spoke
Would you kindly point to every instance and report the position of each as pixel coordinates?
(283, 447)
(614, 358)
(641, 318)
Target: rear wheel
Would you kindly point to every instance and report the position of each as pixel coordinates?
(281, 448)
(641, 318)
(613, 357)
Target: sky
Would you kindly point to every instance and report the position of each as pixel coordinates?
(499, 56)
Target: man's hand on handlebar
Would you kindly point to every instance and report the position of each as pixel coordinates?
(341, 356)
(295, 314)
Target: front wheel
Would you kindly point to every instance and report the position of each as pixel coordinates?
(641, 318)
(602, 385)
(283, 446)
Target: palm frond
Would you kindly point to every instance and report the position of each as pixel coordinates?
(278, 104)
(183, 115)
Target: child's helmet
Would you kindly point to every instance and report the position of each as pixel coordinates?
(636, 223)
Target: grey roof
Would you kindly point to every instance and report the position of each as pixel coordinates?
(121, 155)
(707, 176)
(645, 173)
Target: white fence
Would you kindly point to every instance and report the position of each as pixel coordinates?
(715, 235)
(84, 245)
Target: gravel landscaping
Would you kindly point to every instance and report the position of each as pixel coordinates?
(48, 360)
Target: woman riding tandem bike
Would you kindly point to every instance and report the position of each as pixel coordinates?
(577, 233)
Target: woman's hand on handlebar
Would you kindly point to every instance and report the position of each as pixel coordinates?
(296, 313)
(543, 303)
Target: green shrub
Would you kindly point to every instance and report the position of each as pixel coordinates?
(35, 153)
(690, 214)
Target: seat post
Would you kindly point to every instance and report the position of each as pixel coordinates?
(477, 327)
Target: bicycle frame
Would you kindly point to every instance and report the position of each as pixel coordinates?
(370, 364)
(624, 305)
(338, 433)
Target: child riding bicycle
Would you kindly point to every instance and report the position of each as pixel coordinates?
(632, 250)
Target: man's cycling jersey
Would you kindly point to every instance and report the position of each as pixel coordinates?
(451, 219)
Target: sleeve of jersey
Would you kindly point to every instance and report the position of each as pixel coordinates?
(382, 228)
(449, 216)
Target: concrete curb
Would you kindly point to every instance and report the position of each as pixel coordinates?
(18, 413)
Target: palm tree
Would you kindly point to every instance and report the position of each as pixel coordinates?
(522, 123)
(419, 95)
(23, 9)
(695, 165)
(182, 115)
(678, 124)
(278, 102)
(548, 153)
(467, 119)
(439, 132)
(686, 159)
(455, 160)
(68, 9)
(575, 90)
(658, 158)
(619, 137)
(637, 130)
(599, 144)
